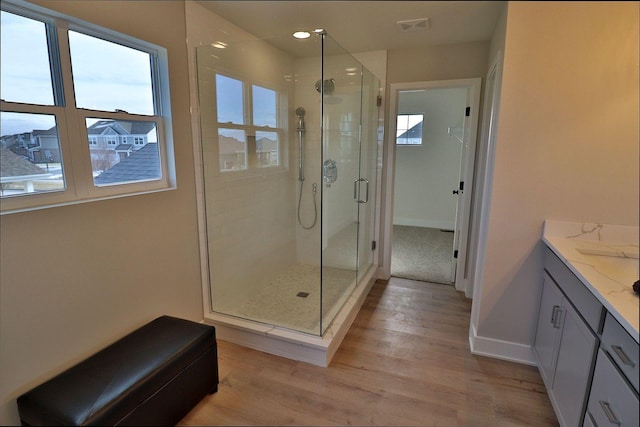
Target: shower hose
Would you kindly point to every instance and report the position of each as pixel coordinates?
(315, 207)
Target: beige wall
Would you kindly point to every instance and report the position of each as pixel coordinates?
(567, 145)
(73, 279)
(458, 61)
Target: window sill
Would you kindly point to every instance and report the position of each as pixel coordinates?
(9, 211)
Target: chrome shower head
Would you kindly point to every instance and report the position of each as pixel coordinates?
(300, 112)
(326, 86)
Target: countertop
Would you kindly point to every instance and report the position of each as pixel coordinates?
(604, 258)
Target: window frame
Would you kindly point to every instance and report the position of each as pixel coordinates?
(73, 136)
(407, 130)
(248, 127)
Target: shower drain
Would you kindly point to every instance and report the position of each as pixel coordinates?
(302, 294)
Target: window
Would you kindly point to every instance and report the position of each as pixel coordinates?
(409, 129)
(69, 116)
(248, 136)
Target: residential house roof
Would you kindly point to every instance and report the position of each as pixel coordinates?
(120, 127)
(140, 165)
(414, 132)
(14, 166)
(230, 145)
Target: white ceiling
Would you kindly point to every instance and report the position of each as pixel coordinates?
(361, 26)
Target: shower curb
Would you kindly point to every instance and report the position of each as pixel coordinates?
(316, 350)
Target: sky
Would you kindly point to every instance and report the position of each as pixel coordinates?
(107, 76)
(230, 102)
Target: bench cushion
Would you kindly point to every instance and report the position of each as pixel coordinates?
(123, 383)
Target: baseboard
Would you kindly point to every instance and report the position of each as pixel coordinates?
(499, 349)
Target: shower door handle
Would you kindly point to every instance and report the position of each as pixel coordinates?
(356, 190)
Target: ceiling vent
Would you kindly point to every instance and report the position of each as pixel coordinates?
(413, 25)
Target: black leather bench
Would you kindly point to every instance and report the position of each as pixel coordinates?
(153, 376)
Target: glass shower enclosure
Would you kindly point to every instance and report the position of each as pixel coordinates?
(289, 140)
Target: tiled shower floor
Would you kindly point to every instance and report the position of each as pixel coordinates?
(280, 301)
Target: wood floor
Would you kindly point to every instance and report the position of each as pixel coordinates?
(405, 361)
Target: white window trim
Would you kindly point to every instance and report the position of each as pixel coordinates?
(421, 138)
(249, 128)
(71, 123)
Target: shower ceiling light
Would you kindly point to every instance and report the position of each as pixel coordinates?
(302, 34)
(219, 45)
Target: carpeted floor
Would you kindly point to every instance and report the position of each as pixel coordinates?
(420, 253)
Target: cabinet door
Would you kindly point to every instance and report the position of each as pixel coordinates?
(574, 367)
(547, 332)
(612, 401)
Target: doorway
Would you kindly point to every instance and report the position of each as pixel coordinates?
(431, 150)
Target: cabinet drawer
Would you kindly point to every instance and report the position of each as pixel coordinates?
(622, 349)
(580, 296)
(612, 401)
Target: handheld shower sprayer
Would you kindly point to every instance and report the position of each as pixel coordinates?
(300, 112)
(301, 129)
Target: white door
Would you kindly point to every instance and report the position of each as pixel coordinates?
(466, 132)
(463, 192)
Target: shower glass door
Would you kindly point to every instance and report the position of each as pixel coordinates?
(370, 140)
(343, 188)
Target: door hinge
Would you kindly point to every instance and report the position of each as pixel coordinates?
(467, 111)
(455, 254)
(373, 245)
(379, 100)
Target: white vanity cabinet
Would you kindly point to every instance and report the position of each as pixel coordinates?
(566, 340)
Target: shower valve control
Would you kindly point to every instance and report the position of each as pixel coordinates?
(330, 171)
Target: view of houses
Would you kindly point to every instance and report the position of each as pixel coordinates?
(258, 152)
(31, 161)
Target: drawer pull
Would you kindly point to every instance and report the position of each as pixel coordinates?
(609, 413)
(623, 356)
(554, 310)
(555, 319)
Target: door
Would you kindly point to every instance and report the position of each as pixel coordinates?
(576, 353)
(366, 186)
(349, 167)
(545, 343)
(465, 183)
(462, 131)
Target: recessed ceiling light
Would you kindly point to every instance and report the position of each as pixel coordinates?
(219, 45)
(302, 34)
